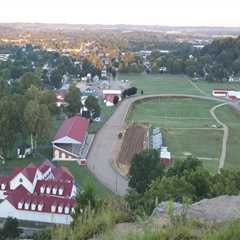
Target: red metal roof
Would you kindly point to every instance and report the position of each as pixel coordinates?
(75, 128)
(22, 195)
(29, 172)
(45, 166)
(62, 174)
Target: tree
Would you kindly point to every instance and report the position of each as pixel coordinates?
(73, 99)
(129, 92)
(38, 121)
(93, 106)
(183, 167)
(8, 124)
(145, 167)
(115, 100)
(10, 229)
(56, 78)
(29, 79)
(167, 188)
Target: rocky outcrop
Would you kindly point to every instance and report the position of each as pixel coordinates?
(219, 209)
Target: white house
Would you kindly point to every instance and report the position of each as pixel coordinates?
(110, 94)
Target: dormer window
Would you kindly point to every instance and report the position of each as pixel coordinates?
(20, 205)
(40, 207)
(54, 190)
(60, 209)
(20, 180)
(53, 208)
(60, 191)
(66, 210)
(3, 186)
(48, 190)
(26, 205)
(33, 206)
(42, 189)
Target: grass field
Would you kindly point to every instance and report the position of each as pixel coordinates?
(157, 84)
(232, 118)
(187, 127)
(179, 84)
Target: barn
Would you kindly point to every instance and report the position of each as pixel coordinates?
(70, 140)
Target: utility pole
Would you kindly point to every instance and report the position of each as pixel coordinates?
(116, 183)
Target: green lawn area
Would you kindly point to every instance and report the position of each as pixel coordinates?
(173, 114)
(83, 176)
(207, 87)
(232, 118)
(161, 83)
(106, 113)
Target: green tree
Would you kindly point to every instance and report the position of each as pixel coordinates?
(73, 99)
(93, 106)
(10, 229)
(167, 188)
(8, 125)
(145, 167)
(29, 79)
(37, 121)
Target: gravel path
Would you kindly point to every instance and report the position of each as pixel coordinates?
(225, 135)
(103, 150)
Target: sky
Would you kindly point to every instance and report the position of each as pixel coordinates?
(140, 12)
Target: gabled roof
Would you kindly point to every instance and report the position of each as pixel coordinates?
(29, 172)
(74, 128)
(62, 174)
(45, 166)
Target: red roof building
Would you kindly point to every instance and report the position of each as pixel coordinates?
(69, 142)
(38, 189)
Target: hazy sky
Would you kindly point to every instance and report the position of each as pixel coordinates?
(160, 12)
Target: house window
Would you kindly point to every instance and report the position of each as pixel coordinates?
(20, 180)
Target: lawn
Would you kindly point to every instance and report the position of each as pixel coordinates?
(232, 118)
(161, 83)
(183, 123)
(207, 87)
(179, 84)
(83, 176)
(174, 113)
(106, 113)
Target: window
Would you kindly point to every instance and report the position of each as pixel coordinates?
(20, 180)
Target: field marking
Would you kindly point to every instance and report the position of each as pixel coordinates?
(197, 87)
(225, 135)
(215, 129)
(185, 118)
(200, 158)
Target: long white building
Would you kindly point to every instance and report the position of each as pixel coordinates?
(42, 193)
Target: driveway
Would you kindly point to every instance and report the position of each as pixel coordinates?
(103, 150)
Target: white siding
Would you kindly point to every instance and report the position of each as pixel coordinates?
(7, 210)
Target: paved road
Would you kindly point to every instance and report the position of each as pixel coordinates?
(225, 135)
(103, 149)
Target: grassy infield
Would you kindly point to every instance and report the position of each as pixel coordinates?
(170, 114)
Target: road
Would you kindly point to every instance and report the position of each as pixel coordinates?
(225, 135)
(102, 152)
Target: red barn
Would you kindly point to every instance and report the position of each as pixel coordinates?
(69, 142)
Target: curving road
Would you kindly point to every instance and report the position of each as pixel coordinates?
(225, 135)
(103, 148)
